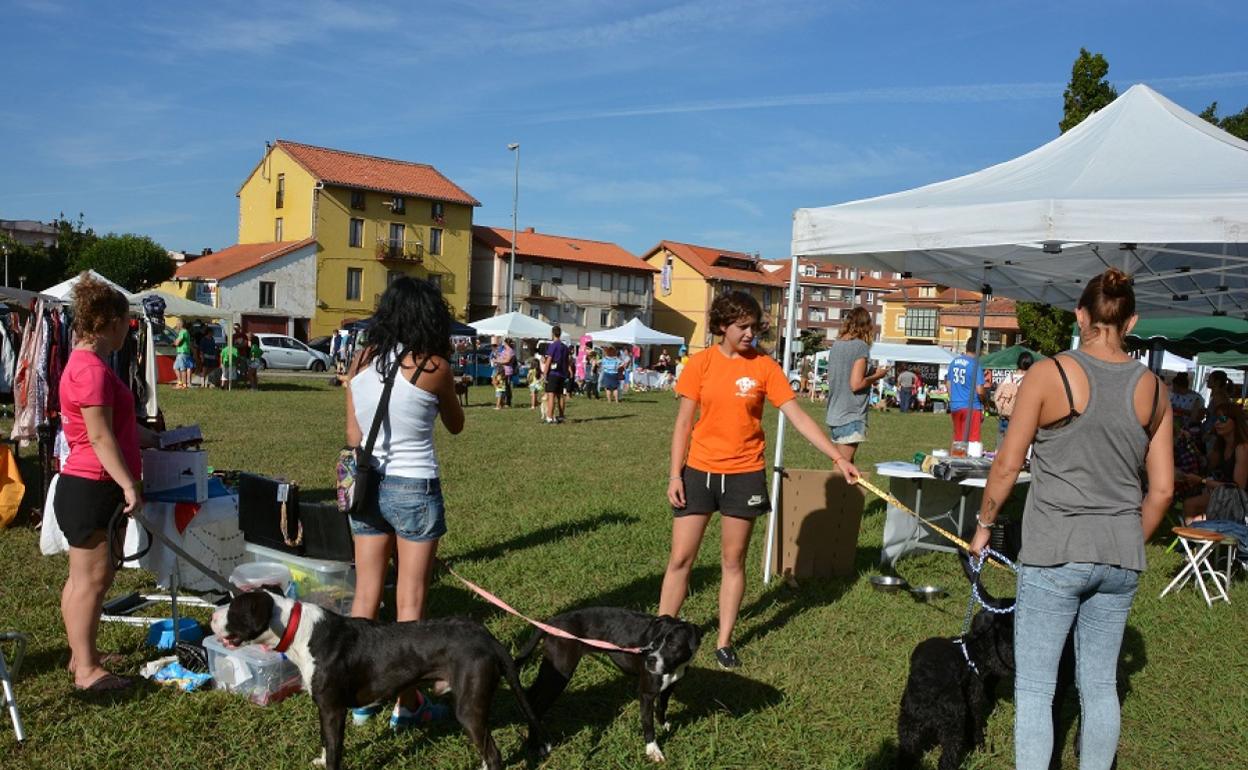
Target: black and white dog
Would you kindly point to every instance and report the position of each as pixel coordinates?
(350, 662)
(949, 690)
(666, 646)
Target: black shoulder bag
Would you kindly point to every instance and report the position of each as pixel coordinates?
(356, 477)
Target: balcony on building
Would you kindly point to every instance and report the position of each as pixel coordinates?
(527, 288)
(389, 249)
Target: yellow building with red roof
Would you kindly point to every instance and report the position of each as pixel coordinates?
(690, 277)
(369, 219)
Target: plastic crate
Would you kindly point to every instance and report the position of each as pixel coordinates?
(262, 676)
(330, 584)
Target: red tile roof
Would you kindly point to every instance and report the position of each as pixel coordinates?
(703, 259)
(369, 172)
(237, 258)
(967, 315)
(560, 248)
(945, 296)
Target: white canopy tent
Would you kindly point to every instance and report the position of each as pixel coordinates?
(1143, 185)
(635, 333)
(181, 307)
(65, 289)
(512, 325)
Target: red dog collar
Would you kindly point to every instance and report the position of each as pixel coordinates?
(288, 636)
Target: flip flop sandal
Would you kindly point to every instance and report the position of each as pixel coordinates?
(108, 683)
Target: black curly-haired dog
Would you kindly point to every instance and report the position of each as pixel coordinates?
(948, 698)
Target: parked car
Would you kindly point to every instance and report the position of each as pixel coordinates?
(283, 352)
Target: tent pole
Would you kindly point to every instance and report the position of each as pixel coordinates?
(985, 290)
(790, 326)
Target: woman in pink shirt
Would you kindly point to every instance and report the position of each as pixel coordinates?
(101, 472)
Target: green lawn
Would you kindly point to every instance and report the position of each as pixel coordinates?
(553, 518)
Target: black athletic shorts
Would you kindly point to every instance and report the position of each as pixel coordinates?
(83, 506)
(740, 495)
(555, 385)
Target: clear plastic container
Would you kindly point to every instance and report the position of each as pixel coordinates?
(958, 449)
(262, 676)
(251, 576)
(330, 584)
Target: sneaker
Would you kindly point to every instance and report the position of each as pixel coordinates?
(402, 719)
(727, 658)
(361, 715)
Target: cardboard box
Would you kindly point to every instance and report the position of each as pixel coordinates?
(175, 476)
(817, 525)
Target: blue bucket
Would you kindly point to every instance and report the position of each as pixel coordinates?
(160, 633)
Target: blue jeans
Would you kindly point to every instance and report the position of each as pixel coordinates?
(1096, 599)
(409, 508)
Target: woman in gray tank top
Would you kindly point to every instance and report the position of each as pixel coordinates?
(1096, 418)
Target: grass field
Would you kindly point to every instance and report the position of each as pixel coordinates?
(557, 517)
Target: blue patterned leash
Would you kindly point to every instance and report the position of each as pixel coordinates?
(977, 565)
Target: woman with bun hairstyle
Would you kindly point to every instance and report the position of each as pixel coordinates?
(101, 472)
(1096, 418)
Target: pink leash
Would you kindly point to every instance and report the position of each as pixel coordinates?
(553, 631)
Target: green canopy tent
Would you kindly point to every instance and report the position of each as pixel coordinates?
(1189, 336)
(1229, 360)
(1007, 358)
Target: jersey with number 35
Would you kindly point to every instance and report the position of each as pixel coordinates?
(964, 375)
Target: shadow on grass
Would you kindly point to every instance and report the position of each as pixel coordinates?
(273, 387)
(793, 602)
(603, 417)
(550, 534)
(700, 693)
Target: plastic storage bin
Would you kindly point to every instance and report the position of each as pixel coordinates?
(250, 576)
(263, 677)
(330, 584)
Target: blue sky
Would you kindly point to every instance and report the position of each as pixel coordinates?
(707, 122)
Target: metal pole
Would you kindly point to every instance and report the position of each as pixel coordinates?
(6, 265)
(515, 200)
(790, 326)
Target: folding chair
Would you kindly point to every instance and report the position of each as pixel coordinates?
(1199, 547)
(7, 677)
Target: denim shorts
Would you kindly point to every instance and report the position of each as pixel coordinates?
(184, 362)
(850, 433)
(409, 508)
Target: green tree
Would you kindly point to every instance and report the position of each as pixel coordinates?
(1088, 90)
(813, 340)
(1236, 125)
(134, 261)
(1045, 328)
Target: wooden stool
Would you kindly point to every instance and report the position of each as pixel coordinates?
(1199, 545)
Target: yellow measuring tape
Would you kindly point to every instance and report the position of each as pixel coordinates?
(886, 497)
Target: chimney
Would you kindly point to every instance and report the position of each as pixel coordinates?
(205, 252)
(529, 230)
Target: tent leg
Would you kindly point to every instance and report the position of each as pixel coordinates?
(790, 327)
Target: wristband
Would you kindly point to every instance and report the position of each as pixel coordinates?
(675, 478)
(981, 523)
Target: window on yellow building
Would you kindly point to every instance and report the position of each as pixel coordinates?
(921, 323)
(356, 236)
(277, 229)
(357, 200)
(435, 240)
(355, 279)
(901, 323)
(436, 213)
(398, 205)
(767, 300)
(281, 191)
(436, 280)
(268, 290)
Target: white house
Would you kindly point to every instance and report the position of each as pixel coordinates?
(271, 285)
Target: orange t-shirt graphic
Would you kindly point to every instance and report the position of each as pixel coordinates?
(728, 436)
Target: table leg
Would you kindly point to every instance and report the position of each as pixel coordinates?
(175, 576)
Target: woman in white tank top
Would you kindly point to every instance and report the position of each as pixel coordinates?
(411, 330)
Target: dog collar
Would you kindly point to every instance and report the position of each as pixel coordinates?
(288, 636)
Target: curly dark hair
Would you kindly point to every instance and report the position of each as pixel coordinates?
(734, 306)
(412, 315)
(96, 305)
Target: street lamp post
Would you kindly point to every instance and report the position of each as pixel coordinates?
(515, 199)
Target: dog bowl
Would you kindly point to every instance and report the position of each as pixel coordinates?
(160, 633)
(887, 584)
(928, 593)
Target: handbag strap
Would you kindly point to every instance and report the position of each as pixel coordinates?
(383, 404)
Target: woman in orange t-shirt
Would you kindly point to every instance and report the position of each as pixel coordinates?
(718, 465)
